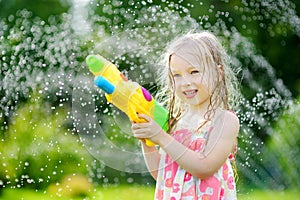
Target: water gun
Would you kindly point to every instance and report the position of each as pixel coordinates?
(126, 95)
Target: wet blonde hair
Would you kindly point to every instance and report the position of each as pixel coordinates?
(211, 58)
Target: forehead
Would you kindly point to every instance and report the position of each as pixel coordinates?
(183, 62)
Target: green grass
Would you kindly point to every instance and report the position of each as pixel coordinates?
(134, 193)
(126, 193)
(101, 193)
(270, 195)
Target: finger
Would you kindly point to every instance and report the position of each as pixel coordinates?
(143, 140)
(140, 133)
(139, 126)
(146, 117)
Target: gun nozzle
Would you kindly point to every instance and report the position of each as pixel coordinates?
(95, 63)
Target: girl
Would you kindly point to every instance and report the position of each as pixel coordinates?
(193, 160)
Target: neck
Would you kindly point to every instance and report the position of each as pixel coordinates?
(194, 117)
(199, 110)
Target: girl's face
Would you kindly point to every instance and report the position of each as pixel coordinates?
(190, 82)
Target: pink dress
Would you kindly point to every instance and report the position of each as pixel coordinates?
(174, 183)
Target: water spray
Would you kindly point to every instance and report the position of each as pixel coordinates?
(126, 95)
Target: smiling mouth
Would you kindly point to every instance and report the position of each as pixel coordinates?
(190, 93)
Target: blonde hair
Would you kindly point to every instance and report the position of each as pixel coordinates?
(205, 48)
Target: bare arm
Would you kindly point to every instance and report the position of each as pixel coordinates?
(152, 158)
(220, 144)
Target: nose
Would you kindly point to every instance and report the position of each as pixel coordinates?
(186, 81)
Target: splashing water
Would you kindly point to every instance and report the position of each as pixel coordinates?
(41, 55)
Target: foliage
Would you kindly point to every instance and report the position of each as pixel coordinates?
(37, 53)
(284, 147)
(39, 50)
(37, 149)
(273, 26)
(39, 8)
(71, 186)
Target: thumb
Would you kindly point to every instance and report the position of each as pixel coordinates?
(146, 117)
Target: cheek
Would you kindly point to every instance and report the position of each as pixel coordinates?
(177, 84)
(177, 89)
(202, 78)
(205, 82)
(206, 90)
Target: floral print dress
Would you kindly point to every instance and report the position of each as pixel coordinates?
(174, 183)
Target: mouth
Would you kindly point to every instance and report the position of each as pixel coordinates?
(190, 93)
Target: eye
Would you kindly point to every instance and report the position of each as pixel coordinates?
(176, 75)
(195, 71)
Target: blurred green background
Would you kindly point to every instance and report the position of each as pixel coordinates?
(43, 44)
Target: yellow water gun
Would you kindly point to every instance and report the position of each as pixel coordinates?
(126, 95)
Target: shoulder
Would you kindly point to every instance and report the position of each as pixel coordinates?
(230, 115)
(230, 121)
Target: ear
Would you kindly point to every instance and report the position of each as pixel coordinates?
(220, 71)
(220, 68)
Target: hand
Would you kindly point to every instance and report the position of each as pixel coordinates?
(147, 130)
